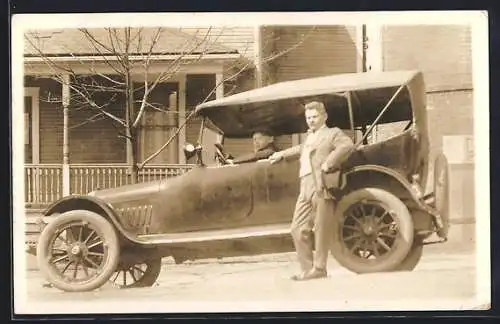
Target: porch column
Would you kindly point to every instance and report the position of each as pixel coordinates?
(259, 82)
(182, 117)
(219, 93)
(65, 165)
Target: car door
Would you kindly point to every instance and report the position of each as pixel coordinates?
(282, 188)
(226, 196)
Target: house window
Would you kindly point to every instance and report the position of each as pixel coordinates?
(31, 125)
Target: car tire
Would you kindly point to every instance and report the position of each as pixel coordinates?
(442, 194)
(413, 258)
(147, 279)
(97, 250)
(357, 245)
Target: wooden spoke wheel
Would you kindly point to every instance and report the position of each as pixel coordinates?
(78, 251)
(373, 231)
(142, 274)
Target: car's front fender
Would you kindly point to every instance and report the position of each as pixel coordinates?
(90, 203)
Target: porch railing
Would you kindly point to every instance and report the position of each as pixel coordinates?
(44, 182)
(85, 178)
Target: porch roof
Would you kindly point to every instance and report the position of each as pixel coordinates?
(92, 44)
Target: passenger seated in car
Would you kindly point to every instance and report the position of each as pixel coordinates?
(263, 148)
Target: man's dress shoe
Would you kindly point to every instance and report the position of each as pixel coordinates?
(314, 273)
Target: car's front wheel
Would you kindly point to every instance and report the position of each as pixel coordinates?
(373, 231)
(78, 251)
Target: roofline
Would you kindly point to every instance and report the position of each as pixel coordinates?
(167, 57)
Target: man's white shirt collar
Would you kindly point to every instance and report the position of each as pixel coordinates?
(310, 131)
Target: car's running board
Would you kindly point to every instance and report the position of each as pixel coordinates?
(216, 235)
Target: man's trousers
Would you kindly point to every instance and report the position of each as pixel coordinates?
(312, 212)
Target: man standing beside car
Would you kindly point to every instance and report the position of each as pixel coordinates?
(322, 153)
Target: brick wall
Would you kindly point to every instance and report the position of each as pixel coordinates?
(442, 52)
(445, 59)
(451, 113)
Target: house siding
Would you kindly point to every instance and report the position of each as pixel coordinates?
(325, 51)
(94, 142)
(157, 126)
(51, 119)
(299, 52)
(198, 87)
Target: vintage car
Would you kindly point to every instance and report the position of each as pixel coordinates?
(382, 218)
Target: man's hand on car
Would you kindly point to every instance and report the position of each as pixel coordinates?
(324, 167)
(275, 157)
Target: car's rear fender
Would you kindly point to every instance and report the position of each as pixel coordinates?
(92, 204)
(394, 182)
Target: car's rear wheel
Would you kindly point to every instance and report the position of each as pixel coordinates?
(413, 258)
(143, 274)
(78, 251)
(373, 231)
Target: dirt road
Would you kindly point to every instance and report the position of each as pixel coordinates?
(443, 280)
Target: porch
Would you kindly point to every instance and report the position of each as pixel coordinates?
(45, 183)
(70, 151)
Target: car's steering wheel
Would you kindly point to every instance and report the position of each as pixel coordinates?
(219, 154)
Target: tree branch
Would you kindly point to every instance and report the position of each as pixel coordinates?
(191, 114)
(147, 90)
(271, 58)
(91, 119)
(94, 42)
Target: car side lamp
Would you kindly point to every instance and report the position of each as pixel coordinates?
(191, 150)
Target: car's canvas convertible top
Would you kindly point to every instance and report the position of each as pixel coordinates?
(279, 107)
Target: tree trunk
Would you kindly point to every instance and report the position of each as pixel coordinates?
(130, 131)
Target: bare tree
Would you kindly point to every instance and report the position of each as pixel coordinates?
(123, 52)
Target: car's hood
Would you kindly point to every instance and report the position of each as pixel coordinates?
(127, 192)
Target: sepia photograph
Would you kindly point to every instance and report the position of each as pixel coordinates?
(250, 162)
